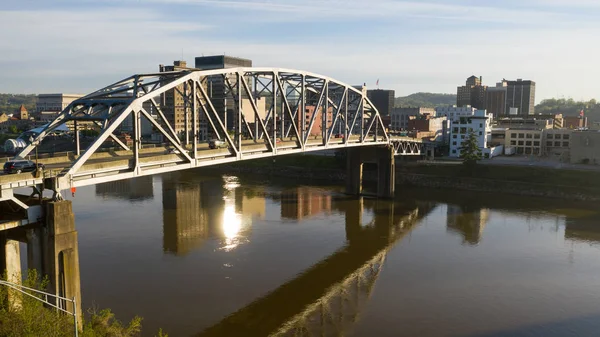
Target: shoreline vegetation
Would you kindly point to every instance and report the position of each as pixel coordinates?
(515, 180)
(27, 316)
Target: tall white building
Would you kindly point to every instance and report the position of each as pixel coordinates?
(462, 121)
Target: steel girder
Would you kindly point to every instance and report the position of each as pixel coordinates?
(247, 108)
(407, 147)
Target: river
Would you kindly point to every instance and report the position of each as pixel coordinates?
(207, 255)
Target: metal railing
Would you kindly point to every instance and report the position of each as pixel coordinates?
(59, 299)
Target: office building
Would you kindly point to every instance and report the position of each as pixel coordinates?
(54, 102)
(173, 104)
(495, 99)
(520, 95)
(401, 116)
(216, 85)
(471, 94)
(383, 100)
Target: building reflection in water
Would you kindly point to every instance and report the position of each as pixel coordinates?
(467, 221)
(196, 209)
(302, 202)
(135, 189)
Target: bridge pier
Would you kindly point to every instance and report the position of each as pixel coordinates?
(383, 157)
(61, 253)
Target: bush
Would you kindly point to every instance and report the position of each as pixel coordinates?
(32, 318)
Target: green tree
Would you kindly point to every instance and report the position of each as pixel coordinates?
(13, 129)
(470, 152)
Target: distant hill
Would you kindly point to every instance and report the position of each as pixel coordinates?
(426, 100)
(570, 107)
(9, 103)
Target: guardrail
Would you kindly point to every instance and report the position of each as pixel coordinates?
(59, 299)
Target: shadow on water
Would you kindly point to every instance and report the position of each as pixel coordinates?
(585, 326)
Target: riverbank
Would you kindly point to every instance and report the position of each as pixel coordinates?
(515, 180)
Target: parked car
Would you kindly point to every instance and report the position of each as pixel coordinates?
(217, 144)
(18, 166)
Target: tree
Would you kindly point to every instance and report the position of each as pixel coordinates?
(470, 152)
(13, 129)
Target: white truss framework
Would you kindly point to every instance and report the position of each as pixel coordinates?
(304, 112)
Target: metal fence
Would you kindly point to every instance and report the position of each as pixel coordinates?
(61, 301)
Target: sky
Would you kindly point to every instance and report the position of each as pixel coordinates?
(77, 46)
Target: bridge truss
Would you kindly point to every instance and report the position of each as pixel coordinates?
(253, 112)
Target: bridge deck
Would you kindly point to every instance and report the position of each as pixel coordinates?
(117, 165)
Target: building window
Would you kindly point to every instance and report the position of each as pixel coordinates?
(521, 135)
(462, 137)
(565, 136)
(550, 136)
(480, 125)
(557, 136)
(480, 133)
(453, 143)
(453, 151)
(536, 136)
(454, 136)
(565, 144)
(557, 144)
(528, 143)
(463, 130)
(513, 142)
(549, 144)
(536, 151)
(513, 135)
(527, 150)
(521, 142)
(529, 136)
(455, 130)
(537, 143)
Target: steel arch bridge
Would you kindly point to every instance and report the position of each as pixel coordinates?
(302, 112)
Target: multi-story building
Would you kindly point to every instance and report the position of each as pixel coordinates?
(557, 143)
(465, 120)
(401, 116)
(525, 141)
(585, 147)
(520, 95)
(383, 100)
(317, 127)
(575, 122)
(471, 94)
(531, 122)
(495, 99)
(173, 102)
(217, 87)
(427, 127)
(54, 102)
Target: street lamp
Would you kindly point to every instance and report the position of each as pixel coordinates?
(36, 153)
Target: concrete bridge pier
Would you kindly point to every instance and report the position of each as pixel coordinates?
(61, 253)
(11, 264)
(383, 157)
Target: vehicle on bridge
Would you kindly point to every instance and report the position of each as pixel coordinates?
(18, 166)
(217, 144)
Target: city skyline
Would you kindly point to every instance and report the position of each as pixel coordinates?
(74, 46)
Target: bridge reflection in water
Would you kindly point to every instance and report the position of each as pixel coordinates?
(327, 298)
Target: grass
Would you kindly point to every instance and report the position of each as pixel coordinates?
(32, 318)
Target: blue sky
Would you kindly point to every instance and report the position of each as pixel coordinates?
(410, 46)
